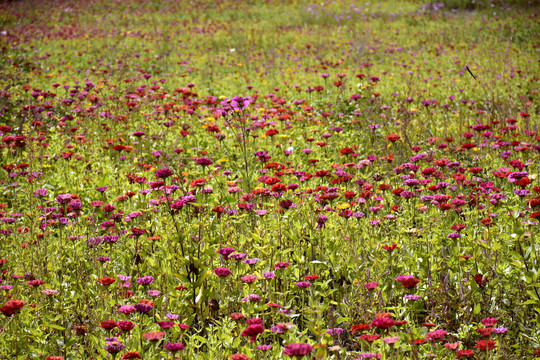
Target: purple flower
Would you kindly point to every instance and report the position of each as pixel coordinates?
(251, 261)
(334, 331)
(412, 297)
(321, 221)
(145, 280)
(174, 347)
(113, 345)
(303, 284)
(268, 275)
(143, 308)
(238, 256)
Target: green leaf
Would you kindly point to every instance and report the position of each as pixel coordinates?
(54, 326)
(477, 309)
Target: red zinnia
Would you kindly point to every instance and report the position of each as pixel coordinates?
(131, 355)
(108, 324)
(252, 331)
(464, 353)
(360, 327)
(106, 281)
(485, 345)
(410, 283)
(393, 137)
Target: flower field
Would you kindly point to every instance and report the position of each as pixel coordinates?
(269, 180)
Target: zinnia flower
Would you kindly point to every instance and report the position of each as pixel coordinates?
(174, 347)
(298, 349)
(252, 331)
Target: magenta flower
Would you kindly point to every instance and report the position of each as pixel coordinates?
(163, 173)
(298, 349)
(252, 331)
(222, 272)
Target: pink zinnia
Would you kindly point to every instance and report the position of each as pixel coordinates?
(248, 279)
(435, 335)
(297, 349)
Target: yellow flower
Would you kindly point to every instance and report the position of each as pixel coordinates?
(343, 206)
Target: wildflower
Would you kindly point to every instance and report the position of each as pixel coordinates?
(500, 330)
(239, 357)
(311, 277)
(489, 322)
(436, 335)
(154, 336)
(464, 353)
(360, 327)
(249, 279)
(252, 331)
(268, 275)
(452, 346)
(485, 332)
(382, 323)
(225, 252)
(108, 324)
(222, 272)
(145, 280)
(49, 292)
(334, 331)
(281, 265)
(125, 325)
(143, 308)
(264, 347)
(113, 345)
(127, 309)
(131, 355)
(371, 285)
(165, 324)
(369, 356)
(370, 338)
(393, 137)
(481, 281)
(321, 221)
(298, 349)
(303, 284)
(174, 347)
(389, 248)
(391, 340)
(408, 281)
(163, 173)
(237, 316)
(485, 345)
